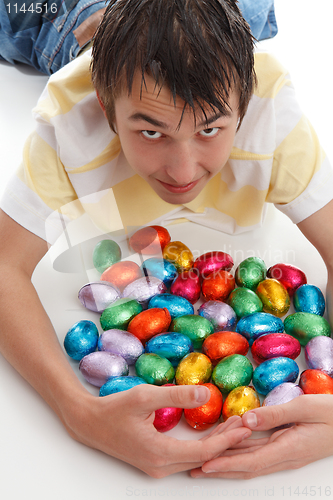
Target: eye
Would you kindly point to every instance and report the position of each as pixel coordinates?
(209, 132)
(151, 134)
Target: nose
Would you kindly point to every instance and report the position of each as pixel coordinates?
(181, 163)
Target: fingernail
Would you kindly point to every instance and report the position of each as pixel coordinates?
(251, 420)
(201, 394)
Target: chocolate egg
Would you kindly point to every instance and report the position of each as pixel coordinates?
(106, 253)
(290, 276)
(218, 285)
(167, 418)
(81, 339)
(161, 269)
(273, 372)
(122, 343)
(305, 326)
(219, 345)
(274, 297)
(150, 240)
(283, 393)
(149, 323)
(119, 314)
(195, 368)
(250, 272)
(154, 369)
(120, 384)
(316, 382)
(122, 273)
(309, 298)
(179, 254)
(213, 261)
(244, 302)
(231, 372)
(171, 345)
(220, 314)
(187, 285)
(239, 401)
(195, 327)
(208, 414)
(274, 345)
(177, 306)
(257, 324)
(99, 366)
(319, 354)
(143, 289)
(98, 296)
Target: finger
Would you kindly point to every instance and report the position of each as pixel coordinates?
(232, 422)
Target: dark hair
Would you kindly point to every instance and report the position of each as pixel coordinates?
(200, 49)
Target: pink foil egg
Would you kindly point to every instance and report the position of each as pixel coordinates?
(274, 345)
(99, 366)
(187, 285)
(167, 418)
(319, 354)
(283, 393)
(213, 261)
(290, 276)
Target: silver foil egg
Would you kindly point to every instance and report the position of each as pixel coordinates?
(98, 367)
(99, 295)
(122, 343)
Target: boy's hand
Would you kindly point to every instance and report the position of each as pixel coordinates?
(308, 440)
(121, 425)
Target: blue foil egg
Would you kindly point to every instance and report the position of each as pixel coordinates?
(119, 384)
(172, 345)
(81, 339)
(274, 372)
(220, 314)
(257, 324)
(176, 305)
(310, 299)
(162, 269)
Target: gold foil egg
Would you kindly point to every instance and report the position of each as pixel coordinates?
(195, 368)
(179, 254)
(274, 297)
(239, 401)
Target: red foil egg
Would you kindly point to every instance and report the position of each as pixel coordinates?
(167, 418)
(290, 276)
(206, 415)
(122, 273)
(274, 345)
(149, 323)
(316, 382)
(221, 344)
(213, 261)
(218, 285)
(187, 285)
(150, 240)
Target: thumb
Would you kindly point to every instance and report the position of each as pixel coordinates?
(177, 396)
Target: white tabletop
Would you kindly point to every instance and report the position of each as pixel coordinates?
(37, 458)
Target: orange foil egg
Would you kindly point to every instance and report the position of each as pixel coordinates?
(122, 273)
(206, 415)
(221, 344)
(149, 323)
(239, 401)
(150, 240)
(316, 382)
(218, 285)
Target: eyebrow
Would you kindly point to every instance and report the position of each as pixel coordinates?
(157, 123)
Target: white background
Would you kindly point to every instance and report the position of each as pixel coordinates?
(37, 458)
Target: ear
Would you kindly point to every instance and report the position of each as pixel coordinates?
(100, 102)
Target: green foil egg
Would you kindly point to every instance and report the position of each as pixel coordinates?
(106, 253)
(119, 314)
(244, 302)
(194, 326)
(305, 326)
(250, 272)
(231, 372)
(154, 369)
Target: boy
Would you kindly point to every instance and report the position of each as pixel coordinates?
(169, 119)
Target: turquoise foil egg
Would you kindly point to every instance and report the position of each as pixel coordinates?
(274, 372)
(257, 324)
(310, 299)
(161, 269)
(120, 384)
(171, 345)
(176, 305)
(81, 339)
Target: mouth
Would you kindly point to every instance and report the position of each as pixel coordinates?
(172, 188)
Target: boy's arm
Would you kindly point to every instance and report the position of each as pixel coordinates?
(120, 425)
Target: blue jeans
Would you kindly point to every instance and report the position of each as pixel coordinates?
(52, 44)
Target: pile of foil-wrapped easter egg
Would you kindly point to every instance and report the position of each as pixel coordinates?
(148, 318)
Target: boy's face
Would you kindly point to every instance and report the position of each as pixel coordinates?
(176, 162)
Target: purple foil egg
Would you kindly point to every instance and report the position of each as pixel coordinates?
(98, 295)
(99, 366)
(122, 343)
(143, 289)
(220, 314)
(283, 393)
(319, 354)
